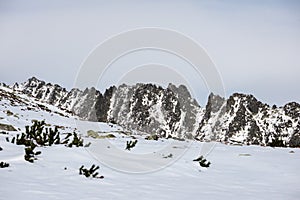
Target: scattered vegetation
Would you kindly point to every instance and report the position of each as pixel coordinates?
(3, 132)
(168, 156)
(92, 172)
(87, 145)
(130, 144)
(202, 161)
(8, 113)
(37, 135)
(30, 154)
(41, 136)
(76, 141)
(4, 164)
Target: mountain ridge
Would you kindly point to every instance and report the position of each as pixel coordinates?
(172, 112)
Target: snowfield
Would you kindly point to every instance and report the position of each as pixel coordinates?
(236, 172)
(266, 174)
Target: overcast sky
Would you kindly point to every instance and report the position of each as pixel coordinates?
(255, 44)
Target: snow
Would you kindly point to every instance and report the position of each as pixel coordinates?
(266, 174)
(236, 172)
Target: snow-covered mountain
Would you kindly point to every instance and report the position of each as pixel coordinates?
(243, 119)
(169, 112)
(172, 112)
(234, 171)
(152, 109)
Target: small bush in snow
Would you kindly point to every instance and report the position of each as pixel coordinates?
(38, 135)
(76, 141)
(90, 172)
(202, 161)
(130, 144)
(3, 164)
(30, 154)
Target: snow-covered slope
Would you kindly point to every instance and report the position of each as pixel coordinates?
(247, 172)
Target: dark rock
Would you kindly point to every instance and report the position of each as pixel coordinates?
(7, 127)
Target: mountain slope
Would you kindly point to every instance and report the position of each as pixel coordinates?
(172, 112)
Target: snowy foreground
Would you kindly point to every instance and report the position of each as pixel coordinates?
(236, 172)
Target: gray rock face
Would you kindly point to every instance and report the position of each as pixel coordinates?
(169, 112)
(172, 112)
(152, 109)
(243, 119)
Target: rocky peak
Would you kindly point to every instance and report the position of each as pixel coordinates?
(246, 120)
(154, 109)
(249, 101)
(32, 85)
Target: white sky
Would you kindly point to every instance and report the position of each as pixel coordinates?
(255, 45)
